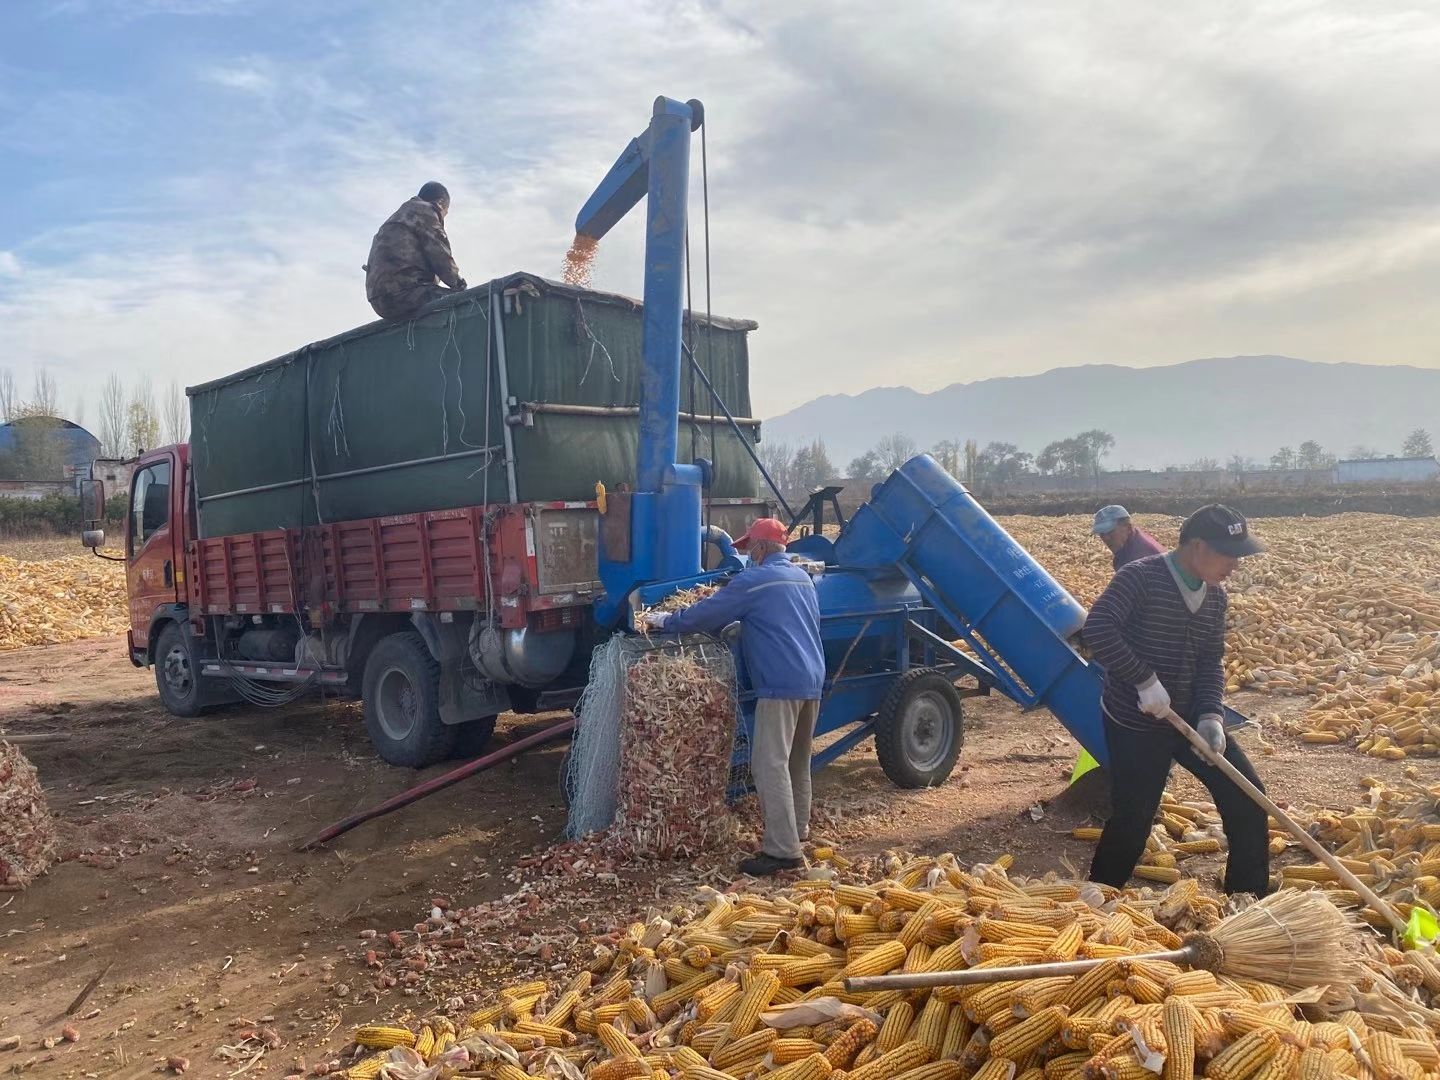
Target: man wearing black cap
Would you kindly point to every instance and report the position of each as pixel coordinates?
(1159, 631)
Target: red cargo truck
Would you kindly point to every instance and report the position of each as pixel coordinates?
(439, 621)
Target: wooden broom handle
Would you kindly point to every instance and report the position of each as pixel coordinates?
(923, 980)
(1201, 747)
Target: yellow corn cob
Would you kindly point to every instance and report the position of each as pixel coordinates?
(752, 1004)
(1090, 984)
(686, 1057)
(1029, 1035)
(1244, 1057)
(425, 1041)
(810, 970)
(379, 1037)
(1343, 1062)
(551, 1035)
(918, 958)
(532, 989)
(851, 925)
(1066, 944)
(617, 1069)
(616, 1043)
(488, 1015)
(1190, 982)
(1178, 1023)
(1127, 1067)
(1386, 1057)
(1420, 1050)
(814, 1067)
(608, 1014)
(1165, 874)
(561, 1011)
(697, 956)
(505, 1071)
(785, 1051)
(756, 1044)
(665, 1003)
(1244, 1019)
(1208, 846)
(957, 1033)
(995, 1069)
(367, 1069)
(639, 1014)
(585, 1021)
(901, 1059)
(1314, 1065)
(519, 1040)
(1065, 1066)
(896, 1027)
(929, 1029)
(936, 1070)
(1144, 990)
(442, 1044)
(1282, 1065)
(1036, 994)
(877, 961)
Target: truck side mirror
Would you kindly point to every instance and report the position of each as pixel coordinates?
(92, 510)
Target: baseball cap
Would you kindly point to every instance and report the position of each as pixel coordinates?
(1107, 517)
(763, 529)
(1224, 529)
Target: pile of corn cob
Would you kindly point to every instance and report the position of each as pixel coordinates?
(753, 988)
(1391, 843)
(50, 601)
(1344, 610)
(29, 841)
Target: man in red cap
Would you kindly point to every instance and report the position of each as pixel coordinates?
(774, 602)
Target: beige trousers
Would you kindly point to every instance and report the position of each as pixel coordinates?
(780, 765)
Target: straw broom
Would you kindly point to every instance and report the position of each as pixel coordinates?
(1294, 938)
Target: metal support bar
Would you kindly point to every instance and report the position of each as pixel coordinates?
(735, 424)
(960, 659)
(556, 409)
(502, 372)
(369, 471)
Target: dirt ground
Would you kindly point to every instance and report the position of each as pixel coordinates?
(182, 887)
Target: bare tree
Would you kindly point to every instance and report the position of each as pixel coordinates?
(9, 397)
(142, 423)
(778, 458)
(113, 416)
(46, 397)
(1418, 444)
(895, 450)
(174, 416)
(77, 412)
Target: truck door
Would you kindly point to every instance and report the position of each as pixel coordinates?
(150, 544)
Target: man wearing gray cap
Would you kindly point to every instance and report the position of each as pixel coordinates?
(1125, 541)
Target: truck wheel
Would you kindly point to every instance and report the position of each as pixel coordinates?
(919, 730)
(177, 675)
(473, 737)
(402, 703)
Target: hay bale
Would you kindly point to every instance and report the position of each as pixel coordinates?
(28, 838)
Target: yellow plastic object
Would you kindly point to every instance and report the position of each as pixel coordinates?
(1083, 764)
(600, 497)
(1422, 929)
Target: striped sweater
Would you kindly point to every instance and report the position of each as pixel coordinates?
(1141, 626)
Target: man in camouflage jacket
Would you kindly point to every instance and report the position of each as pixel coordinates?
(409, 254)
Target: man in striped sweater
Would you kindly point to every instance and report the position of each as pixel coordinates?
(1159, 632)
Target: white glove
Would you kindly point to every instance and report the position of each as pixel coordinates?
(1212, 729)
(655, 620)
(1154, 698)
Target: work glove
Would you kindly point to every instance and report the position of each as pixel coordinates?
(655, 620)
(1212, 729)
(460, 284)
(1154, 698)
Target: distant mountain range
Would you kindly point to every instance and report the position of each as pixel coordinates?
(1160, 416)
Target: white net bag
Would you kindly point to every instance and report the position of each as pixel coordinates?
(651, 760)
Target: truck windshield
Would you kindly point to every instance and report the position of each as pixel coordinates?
(149, 503)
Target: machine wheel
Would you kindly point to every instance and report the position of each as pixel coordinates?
(919, 730)
(177, 675)
(402, 703)
(472, 738)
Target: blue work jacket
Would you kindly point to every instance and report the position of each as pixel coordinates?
(779, 615)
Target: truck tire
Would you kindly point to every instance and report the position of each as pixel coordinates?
(920, 729)
(177, 676)
(473, 737)
(402, 703)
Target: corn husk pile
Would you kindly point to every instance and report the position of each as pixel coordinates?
(677, 731)
(751, 987)
(684, 598)
(57, 600)
(1344, 610)
(28, 839)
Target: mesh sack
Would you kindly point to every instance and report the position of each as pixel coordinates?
(652, 754)
(28, 840)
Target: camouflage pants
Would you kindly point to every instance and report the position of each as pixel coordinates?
(406, 303)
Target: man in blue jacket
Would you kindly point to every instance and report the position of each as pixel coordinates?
(774, 602)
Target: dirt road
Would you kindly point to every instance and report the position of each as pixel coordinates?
(181, 883)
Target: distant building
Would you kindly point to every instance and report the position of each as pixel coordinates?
(46, 449)
(1387, 470)
(114, 475)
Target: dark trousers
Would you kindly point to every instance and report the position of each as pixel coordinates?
(1139, 766)
(408, 302)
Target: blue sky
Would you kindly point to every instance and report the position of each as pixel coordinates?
(947, 193)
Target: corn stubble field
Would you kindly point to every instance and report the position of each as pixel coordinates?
(1338, 626)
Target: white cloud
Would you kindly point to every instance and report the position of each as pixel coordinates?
(9, 264)
(951, 193)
